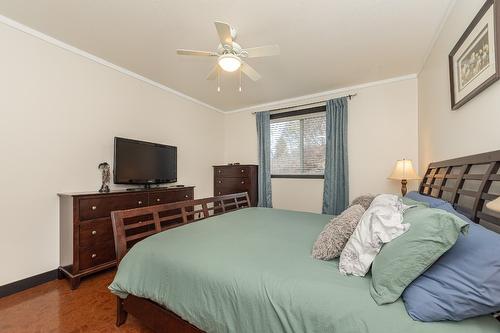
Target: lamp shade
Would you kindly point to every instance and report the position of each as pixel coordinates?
(403, 170)
(494, 205)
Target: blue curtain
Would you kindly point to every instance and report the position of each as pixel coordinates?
(264, 140)
(336, 189)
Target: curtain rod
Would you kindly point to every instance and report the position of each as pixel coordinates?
(306, 104)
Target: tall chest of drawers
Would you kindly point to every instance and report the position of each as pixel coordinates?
(86, 234)
(230, 179)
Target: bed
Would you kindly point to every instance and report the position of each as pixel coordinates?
(250, 270)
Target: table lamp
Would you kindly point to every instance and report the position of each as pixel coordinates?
(403, 171)
(494, 205)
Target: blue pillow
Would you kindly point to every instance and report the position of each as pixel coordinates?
(433, 202)
(449, 208)
(463, 283)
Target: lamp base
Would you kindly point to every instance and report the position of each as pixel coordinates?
(403, 187)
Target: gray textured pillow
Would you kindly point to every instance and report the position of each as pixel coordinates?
(364, 200)
(332, 240)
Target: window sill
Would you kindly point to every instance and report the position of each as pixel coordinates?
(299, 176)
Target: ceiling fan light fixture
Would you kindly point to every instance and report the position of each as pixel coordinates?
(229, 62)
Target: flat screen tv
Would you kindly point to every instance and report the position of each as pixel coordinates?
(144, 163)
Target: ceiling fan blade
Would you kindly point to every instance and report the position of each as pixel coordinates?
(263, 51)
(196, 53)
(250, 72)
(213, 73)
(224, 32)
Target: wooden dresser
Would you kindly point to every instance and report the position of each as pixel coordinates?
(229, 179)
(86, 235)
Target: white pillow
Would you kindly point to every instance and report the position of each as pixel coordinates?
(381, 223)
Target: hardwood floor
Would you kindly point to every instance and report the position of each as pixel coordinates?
(53, 307)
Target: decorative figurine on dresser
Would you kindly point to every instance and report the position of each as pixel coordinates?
(106, 177)
(236, 178)
(87, 245)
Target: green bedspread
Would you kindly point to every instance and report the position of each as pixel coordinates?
(251, 271)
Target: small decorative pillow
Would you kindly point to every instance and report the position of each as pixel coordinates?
(336, 233)
(364, 200)
(432, 233)
(381, 223)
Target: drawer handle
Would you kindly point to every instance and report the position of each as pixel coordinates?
(158, 200)
(93, 208)
(243, 182)
(94, 232)
(219, 181)
(139, 202)
(186, 196)
(93, 255)
(242, 170)
(220, 193)
(219, 171)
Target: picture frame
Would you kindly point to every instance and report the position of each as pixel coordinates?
(474, 62)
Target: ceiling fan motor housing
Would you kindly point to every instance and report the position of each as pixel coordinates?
(235, 49)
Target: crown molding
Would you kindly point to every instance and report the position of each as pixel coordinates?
(56, 42)
(318, 97)
(434, 40)
(260, 107)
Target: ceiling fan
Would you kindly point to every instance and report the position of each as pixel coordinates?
(230, 54)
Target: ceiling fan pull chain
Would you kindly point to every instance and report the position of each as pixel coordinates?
(218, 80)
(240, 81)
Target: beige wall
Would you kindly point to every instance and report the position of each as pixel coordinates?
(59, 113)
(474, 128)
(382, 129)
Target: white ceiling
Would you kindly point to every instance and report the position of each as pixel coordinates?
(325, 44)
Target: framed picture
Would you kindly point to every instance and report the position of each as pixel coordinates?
(474, 61)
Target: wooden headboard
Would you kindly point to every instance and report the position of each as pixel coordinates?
(468, 183)
(133, 225)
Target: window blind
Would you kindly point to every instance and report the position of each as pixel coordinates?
(298, 145)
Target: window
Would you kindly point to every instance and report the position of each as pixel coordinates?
(298, 143)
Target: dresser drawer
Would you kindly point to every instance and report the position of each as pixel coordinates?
(92, 208)
(234, 183)
(159, 198)
(226, 190)
(95, 232)
(182, 195)
(233, 171)
(96, 255)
